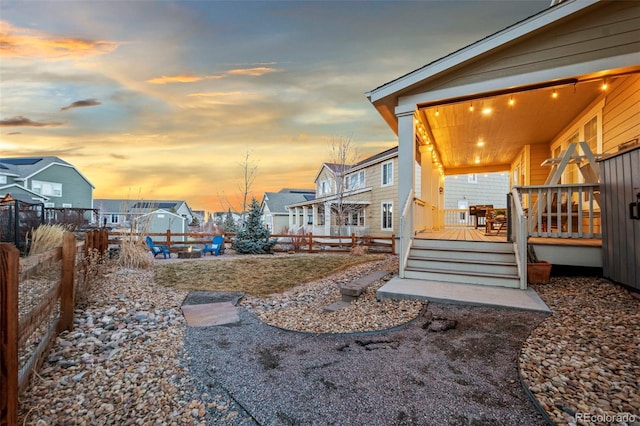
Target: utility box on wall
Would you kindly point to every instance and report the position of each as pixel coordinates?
(620, 205)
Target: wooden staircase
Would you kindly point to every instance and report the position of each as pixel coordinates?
(467, 262)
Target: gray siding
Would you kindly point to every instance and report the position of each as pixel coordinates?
(75, 189)
(490, 189)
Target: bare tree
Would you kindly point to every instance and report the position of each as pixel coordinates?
(343, 156)
(249, 172)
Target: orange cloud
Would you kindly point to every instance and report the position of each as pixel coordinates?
(253, 72)
(181, 78)
(25, 43)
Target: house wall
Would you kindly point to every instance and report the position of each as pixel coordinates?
(537, 154)
(160, 222)
(491, 188)
(380, 194)
(577, 40)
(75, 189)
(621, 113)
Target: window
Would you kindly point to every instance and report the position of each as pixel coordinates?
(355, 180)
(387, 216)
(387, 173)
(324, 187)
(114, 218)
(49, 205)
(356, 218)
(472, 178)
(67, 205)
(50, 189)
(3, 179)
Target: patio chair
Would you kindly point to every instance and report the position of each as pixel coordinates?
(216, 247)
(156, 249)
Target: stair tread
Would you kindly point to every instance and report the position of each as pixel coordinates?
(466, 249)
(467, 273)
(467, 261)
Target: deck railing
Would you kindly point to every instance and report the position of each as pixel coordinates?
(518, 235)
(457, 218)
(562, 211)
(406, 233)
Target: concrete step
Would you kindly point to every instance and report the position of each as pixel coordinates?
(481, 266)
(455, 276)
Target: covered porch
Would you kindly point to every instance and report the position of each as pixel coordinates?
(514, 103)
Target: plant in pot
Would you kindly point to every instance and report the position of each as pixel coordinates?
(538, 271)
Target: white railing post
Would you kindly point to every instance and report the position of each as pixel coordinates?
(406, 231)
(519, 236)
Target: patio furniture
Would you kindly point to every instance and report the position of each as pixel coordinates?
(216, 247)
(189, 254)
(495, 220)
(479, 211)
(156, 249)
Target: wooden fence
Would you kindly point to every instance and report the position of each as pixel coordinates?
(286, 242)
(17, 329)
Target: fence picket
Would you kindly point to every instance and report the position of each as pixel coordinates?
(9, 266)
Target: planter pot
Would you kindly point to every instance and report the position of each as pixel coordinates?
(539, 272)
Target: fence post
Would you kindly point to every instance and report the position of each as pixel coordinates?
(67, 282)
(310, 242)
(353, 240)
(393, 244)
(169, 239)
(9, 266)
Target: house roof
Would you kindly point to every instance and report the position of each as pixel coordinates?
(126, 206)
(26, 167)
(277, 201)
(6, 189)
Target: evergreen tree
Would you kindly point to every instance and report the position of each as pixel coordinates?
(229, 224)
(254, 237)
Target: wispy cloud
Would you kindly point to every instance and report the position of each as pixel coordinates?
(14, 133)
(20, 121)
(26, 43)
(118, 156)
(190, 78)
(81, 104)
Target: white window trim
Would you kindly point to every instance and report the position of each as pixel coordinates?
(472, 178)
(3, 179)
(382, 183)
(382, 204)
(36, 186)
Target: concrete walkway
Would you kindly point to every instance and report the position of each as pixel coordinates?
(468, 294)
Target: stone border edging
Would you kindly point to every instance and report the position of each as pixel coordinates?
(527, 391)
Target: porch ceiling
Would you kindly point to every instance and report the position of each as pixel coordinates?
(478, 139)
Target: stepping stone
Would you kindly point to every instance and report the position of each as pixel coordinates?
(208, 314)
(354, 289)
(340, 304)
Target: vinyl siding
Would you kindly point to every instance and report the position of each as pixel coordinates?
(75, 189)
(537, 154)
(490, 189)
(621, 114)
(610, 29)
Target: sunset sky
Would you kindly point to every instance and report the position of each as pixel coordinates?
(163, 99)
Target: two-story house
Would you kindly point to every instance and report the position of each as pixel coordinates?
(66, 193)
(359, 199)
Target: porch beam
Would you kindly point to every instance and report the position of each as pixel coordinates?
(491, 168)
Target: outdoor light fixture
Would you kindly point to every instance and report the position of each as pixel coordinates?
(480, 143)
(437, 112)
(604, 85)
(511, 101)
(554, 95)
(486, 111)
(471, 107)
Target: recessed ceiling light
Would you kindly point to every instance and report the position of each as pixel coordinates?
(486, 111)
(480, 143)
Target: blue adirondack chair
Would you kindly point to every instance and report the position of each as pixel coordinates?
(156, 249)
(216, 247)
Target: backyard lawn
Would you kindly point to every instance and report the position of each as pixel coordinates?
(254, 275)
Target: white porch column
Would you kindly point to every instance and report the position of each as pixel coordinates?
(314, 214)
(304, 217)
(406, 163)
(327, 218)
(427, 183)
(291, 211)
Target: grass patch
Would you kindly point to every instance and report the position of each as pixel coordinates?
(254, 275)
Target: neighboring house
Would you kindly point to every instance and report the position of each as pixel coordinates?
(161, 221)
(50, 180)
(275, 214)
(463, 191)
(120, 213)
(517, 100)
(367, 197)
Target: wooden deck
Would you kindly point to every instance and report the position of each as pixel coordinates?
(471, 234)
(462, 234)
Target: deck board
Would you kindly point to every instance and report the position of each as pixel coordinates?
(471, 234)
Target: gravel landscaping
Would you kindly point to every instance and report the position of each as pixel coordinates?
(131, 359)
